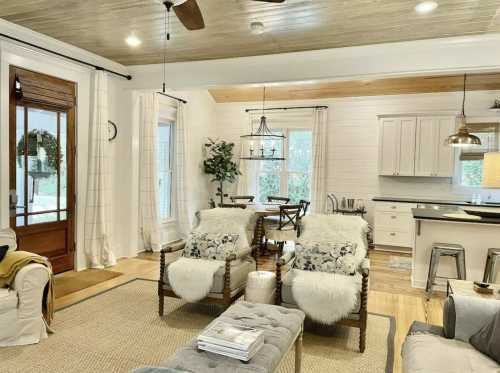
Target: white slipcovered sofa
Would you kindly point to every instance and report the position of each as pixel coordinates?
(21, 319)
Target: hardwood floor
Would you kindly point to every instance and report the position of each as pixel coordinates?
(390, 291)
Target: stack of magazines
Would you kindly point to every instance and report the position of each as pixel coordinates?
(236, 341)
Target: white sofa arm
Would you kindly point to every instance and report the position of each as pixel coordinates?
(30, 283)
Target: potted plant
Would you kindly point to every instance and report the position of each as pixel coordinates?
(219, 163)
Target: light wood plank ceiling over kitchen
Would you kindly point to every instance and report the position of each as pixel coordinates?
(101, 26)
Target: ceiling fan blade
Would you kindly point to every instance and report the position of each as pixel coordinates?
(189, 14)
(271, 1)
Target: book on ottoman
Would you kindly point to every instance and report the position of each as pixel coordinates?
(236, 341)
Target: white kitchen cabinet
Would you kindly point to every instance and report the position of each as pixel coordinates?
(414, 146)
(432, 157)
(394, 224)
(397, 146)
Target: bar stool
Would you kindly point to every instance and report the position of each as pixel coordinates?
(445, 249)
(491, 269)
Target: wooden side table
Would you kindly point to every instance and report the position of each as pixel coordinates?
(466, 288)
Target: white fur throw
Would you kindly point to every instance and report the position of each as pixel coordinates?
(325, 297)
(192, 279)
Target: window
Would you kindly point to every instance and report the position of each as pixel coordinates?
(292, 177)
(471, 159)
(165, 170)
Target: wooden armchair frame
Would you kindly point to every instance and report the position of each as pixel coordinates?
(226, 299)
(287, 260)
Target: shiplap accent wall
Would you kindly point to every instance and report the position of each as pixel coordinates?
(353, 141)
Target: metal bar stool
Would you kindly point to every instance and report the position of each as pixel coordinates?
(492, 266)
(445, 249)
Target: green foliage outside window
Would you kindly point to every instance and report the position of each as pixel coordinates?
(472, 173)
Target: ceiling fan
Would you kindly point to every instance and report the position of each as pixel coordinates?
(189, 12)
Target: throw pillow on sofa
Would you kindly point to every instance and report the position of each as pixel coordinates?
(214, 246)
(487, 340)
(333, 257)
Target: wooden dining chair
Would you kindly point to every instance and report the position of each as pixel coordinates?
(286, 229)
(242, 198)
(233, 205)
(305, 206)
(278, 199)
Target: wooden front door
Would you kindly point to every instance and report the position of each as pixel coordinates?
(42, 124)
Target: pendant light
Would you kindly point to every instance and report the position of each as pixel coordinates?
(463, 138)
(265, 138)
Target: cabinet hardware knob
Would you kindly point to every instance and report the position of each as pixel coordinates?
(393, 234)
(393, 207)
(393, 217)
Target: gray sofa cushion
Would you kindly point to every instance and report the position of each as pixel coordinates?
(239, 274)
(281, 326)
(487, 340)
(429, 353)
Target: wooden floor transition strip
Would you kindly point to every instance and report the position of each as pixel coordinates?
(70, 282)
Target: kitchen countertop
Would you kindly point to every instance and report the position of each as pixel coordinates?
(432, 214)
(433, 201)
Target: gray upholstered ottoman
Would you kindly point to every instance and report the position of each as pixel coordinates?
(283, 327)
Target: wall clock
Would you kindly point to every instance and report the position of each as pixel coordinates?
(112, 130)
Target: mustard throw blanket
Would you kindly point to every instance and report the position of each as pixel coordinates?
(13, 262)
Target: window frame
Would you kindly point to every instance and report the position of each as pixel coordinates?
(164, 122)
(284, 173)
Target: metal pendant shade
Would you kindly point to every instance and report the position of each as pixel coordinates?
(265, 137)
(463, 138)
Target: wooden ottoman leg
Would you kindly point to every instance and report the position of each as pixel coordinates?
(298, 353)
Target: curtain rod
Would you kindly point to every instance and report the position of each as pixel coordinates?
(128, 77)
(289, 108)
(175, 98)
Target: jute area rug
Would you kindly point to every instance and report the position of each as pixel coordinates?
(120, 329)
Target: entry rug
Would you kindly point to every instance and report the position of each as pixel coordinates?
(119, 330)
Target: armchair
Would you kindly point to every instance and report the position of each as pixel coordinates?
(230, 280)
(328, 228)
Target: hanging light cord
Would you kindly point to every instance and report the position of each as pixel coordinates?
(166, 36)
(463, 99)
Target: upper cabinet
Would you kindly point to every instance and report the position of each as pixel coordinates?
(397, 146)
(414, 146)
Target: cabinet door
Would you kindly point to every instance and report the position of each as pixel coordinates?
(426, 147)
(406, 164)
(445, 162)
(389, 146)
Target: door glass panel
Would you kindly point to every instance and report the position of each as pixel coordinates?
(42, 160)
(42, 218)
(63, 215)
(20, 164)
(269, 185)
(299, 187)
(299, 151)
(63, 165)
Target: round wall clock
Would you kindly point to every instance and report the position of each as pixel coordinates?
(112, 130)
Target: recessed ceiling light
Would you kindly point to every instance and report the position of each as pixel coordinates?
(257, 28)
(133, 41)
(426, 7)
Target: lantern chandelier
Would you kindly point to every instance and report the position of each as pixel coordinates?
(269, 145)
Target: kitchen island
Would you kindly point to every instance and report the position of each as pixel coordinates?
(476, 236)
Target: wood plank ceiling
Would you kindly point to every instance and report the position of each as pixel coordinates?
(101, 26)
(393, 86)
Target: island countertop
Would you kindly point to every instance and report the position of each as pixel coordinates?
(433, 201)
(432, 214)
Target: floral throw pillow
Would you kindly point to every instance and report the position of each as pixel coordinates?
(333, 257)
(215, 246)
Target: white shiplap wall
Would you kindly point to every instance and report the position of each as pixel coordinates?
(353, 141)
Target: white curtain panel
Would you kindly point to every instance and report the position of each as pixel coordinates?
(318, 184)
(182, 205)
(148, 178)
(98, 240)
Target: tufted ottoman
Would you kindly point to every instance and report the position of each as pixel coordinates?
(283, 327)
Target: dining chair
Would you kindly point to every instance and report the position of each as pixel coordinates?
(242, 198)
(278, 199)
(233, 205)
(287, 226)
(305, 206)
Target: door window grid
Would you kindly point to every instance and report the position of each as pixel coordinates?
(39, 158)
